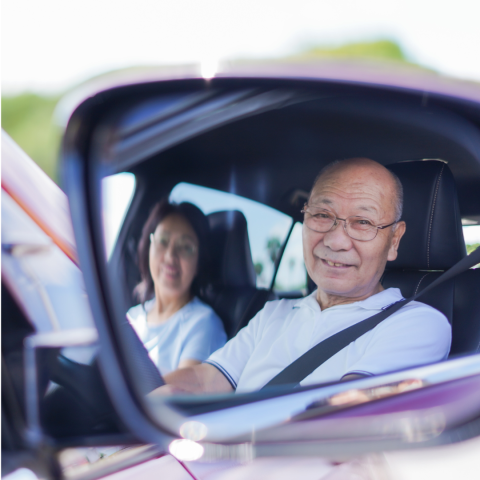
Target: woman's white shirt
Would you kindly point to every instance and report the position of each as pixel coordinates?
(193, 332)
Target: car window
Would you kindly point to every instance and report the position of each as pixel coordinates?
(117, 194)
(292, 274)
(267, 228)
(471, 234)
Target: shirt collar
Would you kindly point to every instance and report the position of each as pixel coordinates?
(378, 301)
(381, 300)
(310, 301)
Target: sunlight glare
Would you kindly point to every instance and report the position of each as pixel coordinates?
(209, 68)
(186, 450)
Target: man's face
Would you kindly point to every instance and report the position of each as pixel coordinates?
(339, 265)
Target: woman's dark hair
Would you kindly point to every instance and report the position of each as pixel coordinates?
(145, 289)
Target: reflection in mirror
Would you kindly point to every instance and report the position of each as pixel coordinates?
(233, 178)
(117, 193)
(267, 228)
(175, 325)
(185, 255)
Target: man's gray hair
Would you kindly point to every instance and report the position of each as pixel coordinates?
(396, 180)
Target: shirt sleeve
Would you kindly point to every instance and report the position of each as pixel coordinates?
(416, 335)
(232, 358)
(205, 334)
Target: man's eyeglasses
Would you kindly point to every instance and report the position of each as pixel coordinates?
(322, 221)
(183, 247)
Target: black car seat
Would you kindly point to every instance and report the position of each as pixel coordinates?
(432, 243)
(233, 293)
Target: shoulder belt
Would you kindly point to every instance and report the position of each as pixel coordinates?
(304, 365)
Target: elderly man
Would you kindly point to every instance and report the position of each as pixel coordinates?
(351, 229)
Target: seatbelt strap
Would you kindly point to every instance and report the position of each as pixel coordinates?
(304, 365)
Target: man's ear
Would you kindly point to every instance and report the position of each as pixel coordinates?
(400, 228)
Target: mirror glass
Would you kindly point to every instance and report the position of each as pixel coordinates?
(201, 193)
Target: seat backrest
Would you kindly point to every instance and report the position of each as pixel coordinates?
(432, 243)
(233, 293)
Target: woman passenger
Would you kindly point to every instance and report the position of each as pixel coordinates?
(176, 327)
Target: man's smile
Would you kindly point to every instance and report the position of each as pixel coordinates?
(336, 264)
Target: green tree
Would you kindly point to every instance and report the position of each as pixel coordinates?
(472, 247)
(28, 119)
(273, 247)
(379, 49)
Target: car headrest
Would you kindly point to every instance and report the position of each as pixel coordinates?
(232, 263)
(434, 238)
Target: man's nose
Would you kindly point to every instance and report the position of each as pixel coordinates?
(336, 238)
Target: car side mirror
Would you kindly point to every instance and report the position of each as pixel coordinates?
(164, 133)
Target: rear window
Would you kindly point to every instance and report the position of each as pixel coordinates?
(267, 228)
(117, 194)
(471, 234)
(292, 274)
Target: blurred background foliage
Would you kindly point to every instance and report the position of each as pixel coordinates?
(29, 118)
(378, 50)
(472, 247)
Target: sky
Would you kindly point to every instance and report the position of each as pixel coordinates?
(51, 45)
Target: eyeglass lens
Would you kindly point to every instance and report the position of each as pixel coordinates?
(358, 228)
(183, 246)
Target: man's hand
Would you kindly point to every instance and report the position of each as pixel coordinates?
(203, 378)
(352, 376)
(167, 390)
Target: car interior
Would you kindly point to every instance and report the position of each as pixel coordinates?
(272, 158)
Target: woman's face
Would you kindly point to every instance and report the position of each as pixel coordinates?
(173, 256)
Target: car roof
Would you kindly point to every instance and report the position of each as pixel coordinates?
(277, 153)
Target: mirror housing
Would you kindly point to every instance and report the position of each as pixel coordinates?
(121, 129)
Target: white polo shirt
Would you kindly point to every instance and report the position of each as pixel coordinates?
(283, 330)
